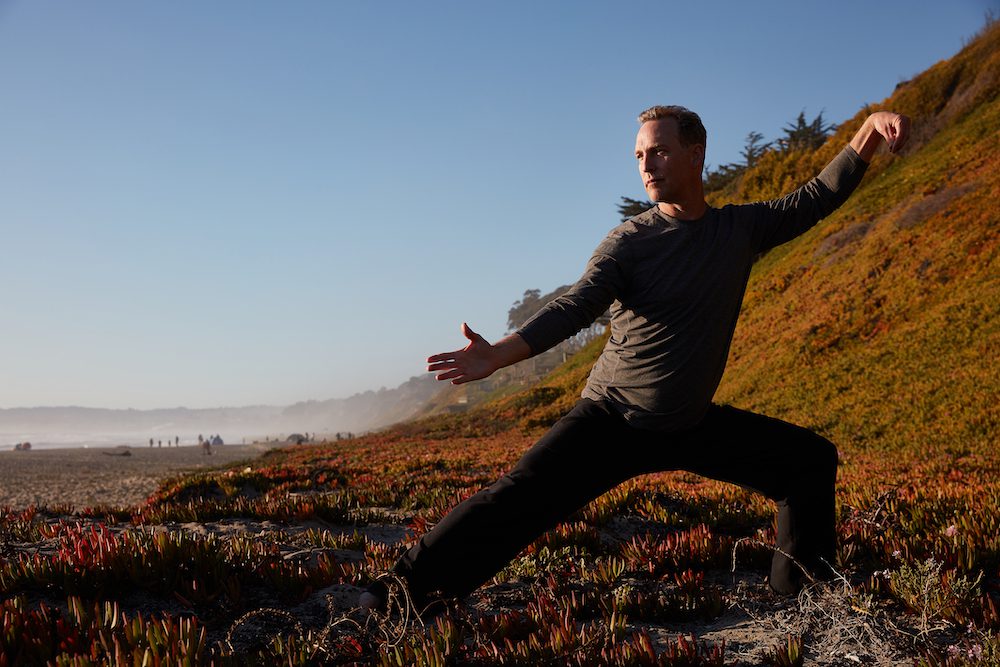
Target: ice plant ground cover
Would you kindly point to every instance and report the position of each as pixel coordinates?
(879, 328)
(644, 575)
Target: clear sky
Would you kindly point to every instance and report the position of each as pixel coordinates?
(233, 203)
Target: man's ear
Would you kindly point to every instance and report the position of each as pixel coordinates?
(697, 155)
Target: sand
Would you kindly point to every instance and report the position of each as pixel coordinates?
(99, 476)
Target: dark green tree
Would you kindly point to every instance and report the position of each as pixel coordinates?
(717, 179)
(532, 302)
(753, 149)
(519, 313)
(632, 207)
(802, 135)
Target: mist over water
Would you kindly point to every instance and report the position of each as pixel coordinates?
(50, 427)
(55, 440)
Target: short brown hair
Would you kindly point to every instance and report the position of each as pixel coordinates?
(689, 125)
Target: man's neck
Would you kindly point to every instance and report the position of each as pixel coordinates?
(684, 211)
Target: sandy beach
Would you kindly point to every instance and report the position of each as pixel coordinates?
(103, 476)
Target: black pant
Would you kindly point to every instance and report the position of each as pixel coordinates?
(591, 450)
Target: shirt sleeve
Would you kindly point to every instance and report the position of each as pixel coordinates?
(601, 283)
(781, 220)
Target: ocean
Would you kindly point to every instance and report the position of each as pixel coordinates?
(49, 440)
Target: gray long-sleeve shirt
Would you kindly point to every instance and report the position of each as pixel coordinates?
(675, 288)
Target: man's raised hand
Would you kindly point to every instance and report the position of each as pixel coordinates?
(894, 128)
(478, 359)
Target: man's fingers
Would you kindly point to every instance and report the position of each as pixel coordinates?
(447, 364)
(891, 136)
(449, 375)
(443, 356)
(902, 129)
(895, 131)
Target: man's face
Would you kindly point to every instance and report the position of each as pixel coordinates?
(670, 171)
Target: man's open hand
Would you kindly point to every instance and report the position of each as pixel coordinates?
(478, 359)
(473, 362)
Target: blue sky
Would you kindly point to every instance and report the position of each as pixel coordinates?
(236, 203)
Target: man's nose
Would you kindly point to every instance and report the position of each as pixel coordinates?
(646, 164)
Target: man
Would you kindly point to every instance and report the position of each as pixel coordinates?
(674, 278)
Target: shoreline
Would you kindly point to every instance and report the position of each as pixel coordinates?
(91, 476)
(40, 444)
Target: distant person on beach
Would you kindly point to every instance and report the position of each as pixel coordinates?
(150, 442)
(673, 277)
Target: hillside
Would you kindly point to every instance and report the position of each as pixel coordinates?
(363, 411)
(879, 327)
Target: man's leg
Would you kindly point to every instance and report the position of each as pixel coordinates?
(591, 450)
(582, 456)
(791, 465)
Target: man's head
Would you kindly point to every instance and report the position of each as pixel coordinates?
(670, 149)
(689, 125)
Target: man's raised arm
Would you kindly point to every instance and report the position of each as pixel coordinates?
(785, 218)
(478, 359)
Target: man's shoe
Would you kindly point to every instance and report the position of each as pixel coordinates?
(374, 597)
(370, 602)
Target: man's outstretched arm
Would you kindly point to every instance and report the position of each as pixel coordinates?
(478, 359)
(559, 319)
(893, 128)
